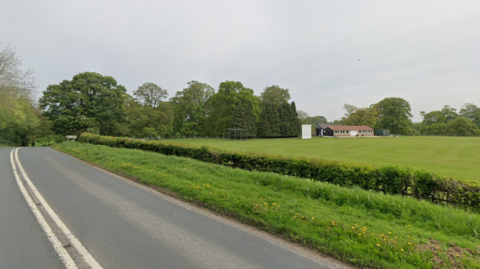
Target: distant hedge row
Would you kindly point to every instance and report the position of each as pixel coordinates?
(387, 179)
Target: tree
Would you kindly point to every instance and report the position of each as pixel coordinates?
(89, 102)
(275, 95)
(432, 117)
(394, 114)
(435, 122)
(316, 120)
(303, 117)
(472, 112)
(149, 94)
(244, 118)
(12, 78)
(224, 103)
(359, 116)
(462, 127)
(449, 113)
(294, 121)
(191, 107)
(18, 121)
(268, 125)
(278, 118)
(434, 129)
(147, 121)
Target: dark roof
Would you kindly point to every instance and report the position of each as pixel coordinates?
(325, 125)
(349, 128)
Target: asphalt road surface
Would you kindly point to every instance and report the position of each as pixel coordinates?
(59, 212)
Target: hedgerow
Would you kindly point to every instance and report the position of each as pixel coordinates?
(389, 179)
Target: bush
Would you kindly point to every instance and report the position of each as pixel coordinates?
(49, 140)
(387, 179)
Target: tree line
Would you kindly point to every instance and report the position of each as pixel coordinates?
(394, 114)
(98, 104)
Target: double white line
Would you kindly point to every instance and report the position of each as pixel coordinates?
(57, 245)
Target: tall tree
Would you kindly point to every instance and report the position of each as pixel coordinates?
(89, 101)
(394, 114)
(462, 127)
(147, 121)
(359, 116)
(223, 104)
(191, 107)
(269, 124)
(316, 120)
(149, 94)
(244, 118)
(13, 79)
(449, 113)
(472, 112)
(432, 117)
(18, 121)
(303, 117)
(275, 95)
(295, 121)
(435, 122)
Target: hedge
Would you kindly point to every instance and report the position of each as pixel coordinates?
(388, 179)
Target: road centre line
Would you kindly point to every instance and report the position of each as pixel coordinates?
(68, 261)
(57, 245)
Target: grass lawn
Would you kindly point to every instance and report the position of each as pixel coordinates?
(369, 230)
(456, 157)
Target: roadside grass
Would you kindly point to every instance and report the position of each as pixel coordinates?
(455, 157)
(369, 230)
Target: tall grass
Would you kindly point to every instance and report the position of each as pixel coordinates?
(360, 227)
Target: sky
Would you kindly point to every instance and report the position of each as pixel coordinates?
(327, 53)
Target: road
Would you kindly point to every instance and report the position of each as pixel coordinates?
(99, 220)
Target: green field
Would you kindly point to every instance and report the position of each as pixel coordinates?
(367, 229)
(456, 157)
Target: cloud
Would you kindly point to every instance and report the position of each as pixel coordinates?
(425, 52)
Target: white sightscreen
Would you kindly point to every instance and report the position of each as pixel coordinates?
(307, 131)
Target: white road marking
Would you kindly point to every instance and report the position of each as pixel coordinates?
(57, 245)
(73, 240)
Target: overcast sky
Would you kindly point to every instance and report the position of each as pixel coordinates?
(327, 53)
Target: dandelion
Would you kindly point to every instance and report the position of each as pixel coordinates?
(360, 234)
(378, 245)
(401, 249)
(313, 218)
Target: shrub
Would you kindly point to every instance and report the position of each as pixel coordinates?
(49, 140)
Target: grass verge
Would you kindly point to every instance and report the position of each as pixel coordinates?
(359, 227)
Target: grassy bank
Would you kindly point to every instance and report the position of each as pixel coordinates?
(455, 157)
(360, 227)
